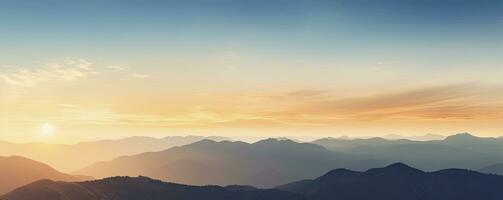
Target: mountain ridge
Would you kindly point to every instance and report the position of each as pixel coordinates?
(133, 188)
(264, 163)
(395, 182)
(94, 151)
(400, 181)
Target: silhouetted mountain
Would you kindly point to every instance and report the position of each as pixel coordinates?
(16, 171)
(493, 169)
(263, 164)
(399, 181)
(126, 188)
(87, 153)
(461, 150)
(394, 182)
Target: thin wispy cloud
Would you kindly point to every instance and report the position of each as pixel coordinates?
(307, 93)
(116, 67)
(320, 107)
(463, 101)
(140, 76)
(127, 71)
(305, 108)
(69, 70)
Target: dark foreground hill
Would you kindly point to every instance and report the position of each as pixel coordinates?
(394, 182)
(16, 171)
(127, 188)
(398, 182)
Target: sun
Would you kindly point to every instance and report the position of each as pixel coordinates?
(47, 129)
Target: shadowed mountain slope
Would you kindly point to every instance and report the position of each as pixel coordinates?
(394, 182)
(16, 171)
(263, 164)
(399, 181)
(127, 188)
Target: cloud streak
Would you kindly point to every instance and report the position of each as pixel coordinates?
(318, 107)
(462, 101)
(69, 70)
(306, 108)
(72, 69)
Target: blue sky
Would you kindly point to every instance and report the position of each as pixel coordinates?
(305, 28)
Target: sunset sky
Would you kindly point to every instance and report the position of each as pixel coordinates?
(83, 70)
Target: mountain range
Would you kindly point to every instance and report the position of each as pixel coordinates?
(275, 161)
(394, 182)
(461, 150)
(87, 153)
(456, 151)
(262, 164)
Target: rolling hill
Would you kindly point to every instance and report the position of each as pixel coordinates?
(394, 182)
(127, 188)
(399, 181)
(16, 171)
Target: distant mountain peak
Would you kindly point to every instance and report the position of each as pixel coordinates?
(395, 168)
(275, 141)
(398, 166)
(271, 140)
(339, 173)
(340, 170)
(461, 137)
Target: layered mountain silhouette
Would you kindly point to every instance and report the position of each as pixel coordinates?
(399, 181)
(394, 182)
(87, 153)
(16, 171)
(263, 164)
(461, 150)
(127, 188)
(456, 151)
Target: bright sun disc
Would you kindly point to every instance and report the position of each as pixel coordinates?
(47, 129)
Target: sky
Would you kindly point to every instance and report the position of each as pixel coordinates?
(83, 70)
